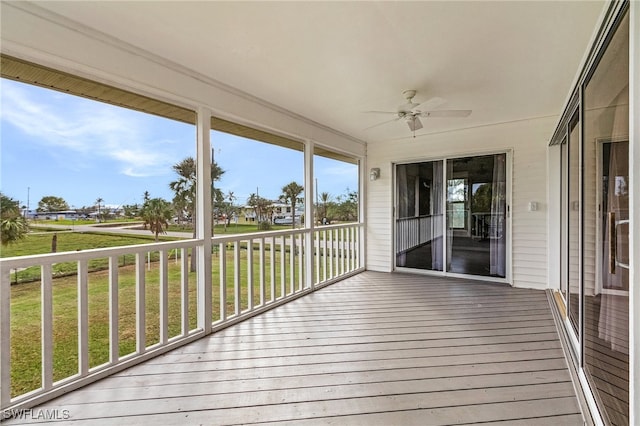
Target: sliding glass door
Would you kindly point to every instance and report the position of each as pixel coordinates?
(473, 190)
(419, 216)
(595, 285)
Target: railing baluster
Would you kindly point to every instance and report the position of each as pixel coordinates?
(184, 290)
(324, 255)
(164, 297)
(141, 337)
(316, 251)
(46, 308)
(283, 271)
(223, 281)
(331, 259)
(342, 251)
(83, 317)
(5, 337)
(272, 270)
(301, 281)
(114, 310)
(236, 278)
(250, 274)
(292, 264)
(262, 272)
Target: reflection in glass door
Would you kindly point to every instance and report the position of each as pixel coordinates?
(474, 192)
(476, 215)
(419, 215)
(595, 194)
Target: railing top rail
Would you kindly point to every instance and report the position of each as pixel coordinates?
(217, 239)
(73, 256)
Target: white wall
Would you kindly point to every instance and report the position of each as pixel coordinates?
(527, 141)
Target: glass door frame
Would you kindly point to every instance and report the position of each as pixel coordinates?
(508, 227)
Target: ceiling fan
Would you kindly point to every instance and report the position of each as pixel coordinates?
(411, 111)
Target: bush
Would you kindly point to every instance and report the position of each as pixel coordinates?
(264, 226)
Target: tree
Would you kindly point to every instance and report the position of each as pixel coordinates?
(185, 188)
(223, 206)
(157, 215)
(291, 195)
(50, 203)
(98, 201)
(262, 209)
(346, 208)
(13, 226)
(131, 210)
(325, 198)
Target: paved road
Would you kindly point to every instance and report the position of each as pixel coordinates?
(124, 229)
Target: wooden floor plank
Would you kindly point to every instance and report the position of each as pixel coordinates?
(373, 349)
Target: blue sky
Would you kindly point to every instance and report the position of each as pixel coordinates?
(62, 145)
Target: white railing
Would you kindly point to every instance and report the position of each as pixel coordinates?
(151, 301)
(412, 232)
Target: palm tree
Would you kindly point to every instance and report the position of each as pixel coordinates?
(157, 215)
(185, 188)
(325, 197)
(98, 201)
(291, 194)
(13, 226)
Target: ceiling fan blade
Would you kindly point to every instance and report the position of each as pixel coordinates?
(380, 112)
(430, 104)
(380, 124)
(446, 113)
(414, 124)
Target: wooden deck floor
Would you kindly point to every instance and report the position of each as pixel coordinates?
(375, 349)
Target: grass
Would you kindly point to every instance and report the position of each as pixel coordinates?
(26, 320)
(26, 317)
(70, 241)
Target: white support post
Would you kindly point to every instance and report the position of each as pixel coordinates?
(309, 221)
(114, 337)
(362, 218)
(203, 217)
(5, 337)
(141, 329)
(83, 317)
(46, 307)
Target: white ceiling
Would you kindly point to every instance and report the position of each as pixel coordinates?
(331, 61)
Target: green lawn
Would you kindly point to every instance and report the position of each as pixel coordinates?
(26, 316)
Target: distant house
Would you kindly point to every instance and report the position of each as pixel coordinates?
(57, 215)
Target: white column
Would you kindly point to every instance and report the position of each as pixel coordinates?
(203, 217)
(309, 221)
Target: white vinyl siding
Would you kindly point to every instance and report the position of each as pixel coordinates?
(526, 140)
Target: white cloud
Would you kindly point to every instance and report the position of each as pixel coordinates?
(89, 131)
